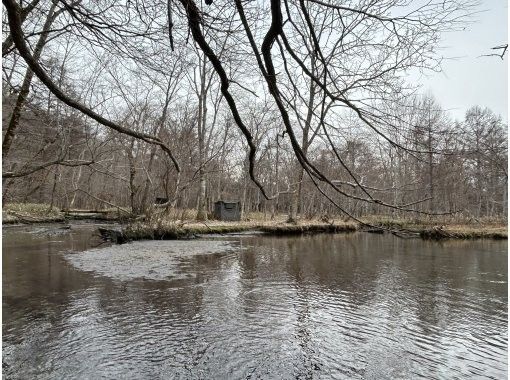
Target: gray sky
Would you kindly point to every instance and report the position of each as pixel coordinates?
(470, 79)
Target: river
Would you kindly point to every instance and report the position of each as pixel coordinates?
(344, 306)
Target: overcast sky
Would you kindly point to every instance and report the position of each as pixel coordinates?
(470, 79)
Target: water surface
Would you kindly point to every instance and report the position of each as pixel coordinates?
(346, 306)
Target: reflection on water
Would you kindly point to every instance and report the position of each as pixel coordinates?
(329, 306)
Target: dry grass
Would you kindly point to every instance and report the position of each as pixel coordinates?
(470, 232)
(446, 226)
(171, 229)
(30, 213)
(186, 214)
(166, 229)
(34, 209)
(180, 223)
(446, 220)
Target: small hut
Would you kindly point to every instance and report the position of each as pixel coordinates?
(160, 200)
(227, 210)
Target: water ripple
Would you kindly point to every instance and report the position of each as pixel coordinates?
(308, 308)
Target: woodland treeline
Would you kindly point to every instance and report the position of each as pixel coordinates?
(295, 107)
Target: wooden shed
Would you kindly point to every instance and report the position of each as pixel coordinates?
(227, 210)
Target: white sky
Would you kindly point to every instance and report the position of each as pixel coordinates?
(468, 79)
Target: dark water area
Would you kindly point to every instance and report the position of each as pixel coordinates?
(345, 306)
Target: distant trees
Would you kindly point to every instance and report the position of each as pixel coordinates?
(108, 104)
(486, 158)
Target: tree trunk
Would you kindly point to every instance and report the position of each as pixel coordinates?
(132, 173)
(25, 87)
(202, 115)
(295, 205)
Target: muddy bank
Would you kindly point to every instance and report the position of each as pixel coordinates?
(171, 229)
(175, 231)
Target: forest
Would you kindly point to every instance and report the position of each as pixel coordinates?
(301, 108)
(254, 189)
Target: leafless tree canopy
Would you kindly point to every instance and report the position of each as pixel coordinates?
(295, 106)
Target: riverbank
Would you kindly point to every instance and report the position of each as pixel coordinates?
(34, 213)
(448, 227)
(464, 232)
(28, 213)
(170, 230)
(171, 227)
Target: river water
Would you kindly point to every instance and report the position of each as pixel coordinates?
(346, 306)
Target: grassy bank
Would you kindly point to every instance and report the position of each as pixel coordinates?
(178, 224)
(14, 213)
(178, 230)
(446, 227)
(465, 232)
(168, 230)
(32, 213)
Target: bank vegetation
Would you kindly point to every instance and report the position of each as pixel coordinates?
(293, 108)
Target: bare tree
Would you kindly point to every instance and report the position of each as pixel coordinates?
(316, 93)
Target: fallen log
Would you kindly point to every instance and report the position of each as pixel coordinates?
(113, 235)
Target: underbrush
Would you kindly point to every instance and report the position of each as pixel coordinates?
(30, 212)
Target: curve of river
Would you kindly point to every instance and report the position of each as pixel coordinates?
(346, 306)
